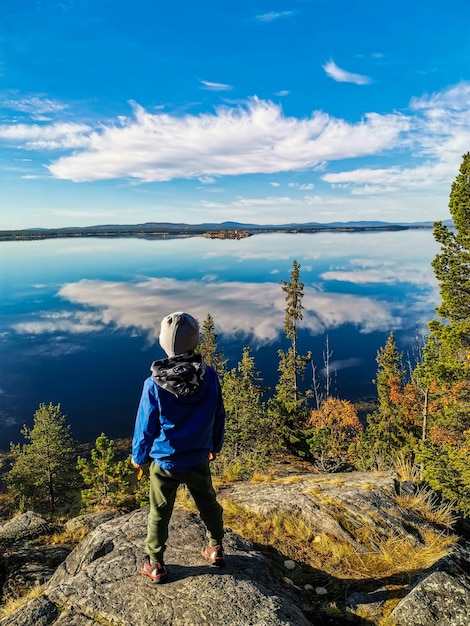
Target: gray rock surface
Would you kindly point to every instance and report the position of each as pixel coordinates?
(90, 521)
(100, 581)
(24, 565)
(39, 611)
(333, 503)
(25, 526)
(439, 600)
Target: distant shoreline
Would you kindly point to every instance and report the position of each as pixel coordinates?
(214, 231)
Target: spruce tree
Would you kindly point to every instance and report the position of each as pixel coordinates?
(388, 429)
(445, 370)
(451, 330)
(248, 435)
(104, 477)
(43, 475)
(289, 404)
(208, 347)
(294, 290)
(446, 364)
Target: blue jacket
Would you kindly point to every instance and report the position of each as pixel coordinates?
(179, 432)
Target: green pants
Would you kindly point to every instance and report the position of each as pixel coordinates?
(163, 486)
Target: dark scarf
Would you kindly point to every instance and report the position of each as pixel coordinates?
(181, 375)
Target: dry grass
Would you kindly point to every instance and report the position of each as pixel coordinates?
(13, 604)
(387, 557)
(261, 477)
(184, 499)
(425, 504)
(68, 536)
(384, 556)
(289, 480)
(406, 469)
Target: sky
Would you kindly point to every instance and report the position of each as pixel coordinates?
(268, 112)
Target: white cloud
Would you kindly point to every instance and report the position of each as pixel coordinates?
(342, 76)
(383, 275)
(273, 15)
(303, 186)
(282, 93)
(160, 147)
(36, 105)
(439, 134)
(215, 86)
(274, 184)
(262, 202)
(47, 136)
(455, 98)
(258, 138)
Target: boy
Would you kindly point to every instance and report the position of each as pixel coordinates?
(180, 427)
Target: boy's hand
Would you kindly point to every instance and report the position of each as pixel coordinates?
(212, 456)
(134, 464)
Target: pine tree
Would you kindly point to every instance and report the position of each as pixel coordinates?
(445, 370)
(245, 410)
(446, 363)
(43, 474)
(294, 290)
(248, 432)
(447, 470)
(105, 477)
(289, 404)
(208, 347)
(388, 429)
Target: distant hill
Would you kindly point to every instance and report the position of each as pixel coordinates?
(180, 229)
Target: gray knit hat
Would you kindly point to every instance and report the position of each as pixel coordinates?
(179, 333)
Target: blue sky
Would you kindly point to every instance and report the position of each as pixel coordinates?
(270, 112)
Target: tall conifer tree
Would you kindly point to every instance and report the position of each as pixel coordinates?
(388, 432)
(43, 474)
(446, 364)
(247, 430)
(445, 370)
(288, 402)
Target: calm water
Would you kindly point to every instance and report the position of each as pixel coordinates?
(79, 319)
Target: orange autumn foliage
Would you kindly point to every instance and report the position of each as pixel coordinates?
(444, 436)
(340, 419)
(409, 399)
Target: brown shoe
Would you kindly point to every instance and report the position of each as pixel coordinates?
(157, 573)
(215, 556)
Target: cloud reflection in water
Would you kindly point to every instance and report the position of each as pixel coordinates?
(253, 310)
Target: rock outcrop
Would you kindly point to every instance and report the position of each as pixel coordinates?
(99, 583)
(24, 563)
(439, 598)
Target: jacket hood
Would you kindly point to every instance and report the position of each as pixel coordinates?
(182, 375)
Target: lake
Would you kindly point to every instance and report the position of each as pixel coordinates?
(79, 318)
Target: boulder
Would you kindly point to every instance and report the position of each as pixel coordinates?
(25, 565)
(89, 521)
(439, 599)
(335, 504)
(25, 526)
